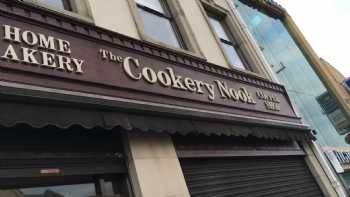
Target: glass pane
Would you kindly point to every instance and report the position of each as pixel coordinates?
(109, 188)
(299, 78)
(159, 28)
(81, 190)
(232, 55)
(219, 29)
(153, 4)
(53, 3)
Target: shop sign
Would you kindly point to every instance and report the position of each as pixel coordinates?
(51, 57)
(40, 50)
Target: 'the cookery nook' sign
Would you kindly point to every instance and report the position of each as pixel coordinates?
(71, 61)
(168, 78)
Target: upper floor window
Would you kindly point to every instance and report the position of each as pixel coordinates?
(72, 8)
(60, 4)
(158, 22)
(227, 42)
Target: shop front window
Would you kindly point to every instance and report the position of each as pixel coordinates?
(92, 189)
(79, 190)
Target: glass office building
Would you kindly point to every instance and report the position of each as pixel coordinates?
(295, 72)
(292, 69)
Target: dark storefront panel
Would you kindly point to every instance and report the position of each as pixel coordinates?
(249, 176)
(70, 162)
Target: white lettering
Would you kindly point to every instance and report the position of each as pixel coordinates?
(64, 63)
(32, 54)
(242, 96)
(234, 94)
(78, 64)
(190, 85)
(28, 56)
(10, 54)
(199, 85)
(64, 46)
(176, 80)
(47, 42)
(127, 70)
(29, 38)
(48, 60)
(149, 75)
(164, 78)
(210, 88)
(12, 33)
(223, 89)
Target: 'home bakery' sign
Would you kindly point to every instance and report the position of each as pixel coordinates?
(76, 60)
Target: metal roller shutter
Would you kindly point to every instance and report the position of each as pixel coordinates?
(55, 152)
(249, 177)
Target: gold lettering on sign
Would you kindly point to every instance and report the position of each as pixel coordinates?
(40, 50)
(236, 95)
(127, 69)
(110, 56)
(165, 78)
(168, 78)
(271, 101)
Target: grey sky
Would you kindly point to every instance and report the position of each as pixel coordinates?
(326, 25)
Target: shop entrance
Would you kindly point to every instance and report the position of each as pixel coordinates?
(49, 162)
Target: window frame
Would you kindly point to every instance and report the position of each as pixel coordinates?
(167, 15)
(67, 5)
(77, 8)
(183, 28)
(211, 10)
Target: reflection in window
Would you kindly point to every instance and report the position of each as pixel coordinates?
(60, 4)
(80, 190)
(332, 110)
(117, 186)
(158, 22)
(219, 29)
(227, 42)
(292, 69)
(153, 4)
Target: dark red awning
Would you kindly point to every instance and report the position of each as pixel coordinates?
(39, 115)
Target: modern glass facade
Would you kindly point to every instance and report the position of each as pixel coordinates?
(292, 69)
